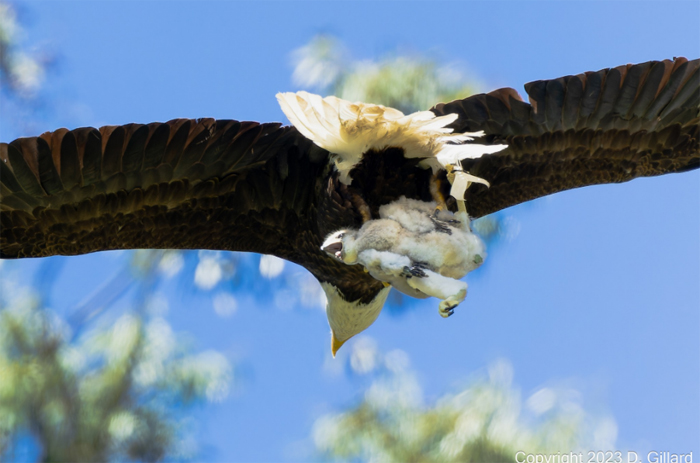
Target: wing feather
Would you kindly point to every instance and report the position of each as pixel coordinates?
(224, 184)
(162, 185)
(599, 127)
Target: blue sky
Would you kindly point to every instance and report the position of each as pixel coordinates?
(600, 289)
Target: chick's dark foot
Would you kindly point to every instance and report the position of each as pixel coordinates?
(444, 216)
(447, 310)
(441, 227)
(442, 220)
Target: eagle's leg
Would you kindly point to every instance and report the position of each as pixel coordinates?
(451, 291)
(362, 206)
(436, 193)
(353, 195)
(461, 181)
(441, 210)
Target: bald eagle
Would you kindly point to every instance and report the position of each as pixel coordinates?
(364, 197)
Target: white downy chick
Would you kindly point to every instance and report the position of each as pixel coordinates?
(407, 227)
(414, 251)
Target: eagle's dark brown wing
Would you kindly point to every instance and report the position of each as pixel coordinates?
(183, 184)
(207, 184)
(598, 127)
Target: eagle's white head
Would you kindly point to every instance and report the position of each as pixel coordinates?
(348, 318)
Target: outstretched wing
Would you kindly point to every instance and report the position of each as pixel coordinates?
(183, 184)
(608, 126)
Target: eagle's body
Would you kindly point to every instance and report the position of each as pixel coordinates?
(245, 186)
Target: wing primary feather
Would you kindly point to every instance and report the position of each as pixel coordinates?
(554, 102)
(196, 144)
(92, 156)
(692, 67)
(475, 110)
(522, 112)
(113, 149)
(684, 94)
(633, 120)
(69, 162)
(179, 132)
(608, 96)
(20, 153)
(668, 91)
(536, 92)
(216, 150)
(48, 175)
(572, 102)
(591, 92)
(132, 160)
(223, 135)
(54, 140)
(7, 177)
(498, 111)
(155, 147)
(649, 90)
(630, 88)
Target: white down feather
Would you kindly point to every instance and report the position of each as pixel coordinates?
(348, 130)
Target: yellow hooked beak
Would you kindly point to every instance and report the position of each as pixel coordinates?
(335, 344)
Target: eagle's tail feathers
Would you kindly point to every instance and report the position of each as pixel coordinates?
(348, 130)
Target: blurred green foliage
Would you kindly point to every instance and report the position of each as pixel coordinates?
(118, 390)
(24, 67)
(21, 72)
(485, 422)
(407, 83)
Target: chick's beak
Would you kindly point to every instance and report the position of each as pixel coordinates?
(334, 247)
